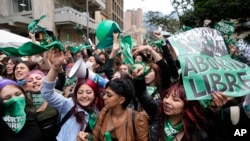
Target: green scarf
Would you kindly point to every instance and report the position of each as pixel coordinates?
(171, 131)
(15, 113)
(37, 99)
(92, 122)
(151, 89)
(92, 119)
(107, 136)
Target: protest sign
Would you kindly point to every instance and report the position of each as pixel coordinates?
(206, 65)
(225, 27)
(244, 48)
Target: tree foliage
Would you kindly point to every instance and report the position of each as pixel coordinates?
(166, 22)
(216, 10)
(194, 12)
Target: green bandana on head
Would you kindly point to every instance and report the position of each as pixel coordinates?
(15, 113)
(171, 131)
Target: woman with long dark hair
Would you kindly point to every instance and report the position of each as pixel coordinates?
(9, 69)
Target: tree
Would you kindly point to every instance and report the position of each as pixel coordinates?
(216, 10)
(166, 22)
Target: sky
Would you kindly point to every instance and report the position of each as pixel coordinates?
(163, 6)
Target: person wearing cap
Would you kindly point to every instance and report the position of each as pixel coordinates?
(17, 122)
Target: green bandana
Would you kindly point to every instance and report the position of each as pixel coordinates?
(151, 90)
(92, 120)
(37, 99)
(146, 71)
(171, 131)
(15, 115)
(107, 136)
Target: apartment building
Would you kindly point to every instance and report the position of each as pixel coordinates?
(134, 25)
(63, 17)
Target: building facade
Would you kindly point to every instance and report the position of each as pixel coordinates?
(114, 10)
(134, 25)
(63, 17)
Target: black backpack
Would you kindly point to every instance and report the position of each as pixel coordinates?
(51, 126)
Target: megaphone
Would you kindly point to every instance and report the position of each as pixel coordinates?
(80, 70)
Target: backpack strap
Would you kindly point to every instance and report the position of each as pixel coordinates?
(66, 117)
(234, 114)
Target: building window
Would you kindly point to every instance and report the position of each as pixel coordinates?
(21, 5)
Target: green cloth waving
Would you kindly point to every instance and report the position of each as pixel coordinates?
(32, 25)
(127, 46)
(104, 33)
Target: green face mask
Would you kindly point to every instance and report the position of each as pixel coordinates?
(15, 114)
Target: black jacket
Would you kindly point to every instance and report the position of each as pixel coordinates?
(30, 131)
(230, 132)
(150, 106)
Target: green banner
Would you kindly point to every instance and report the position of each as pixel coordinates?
(244, 48)
(206, 65)
(225, 27)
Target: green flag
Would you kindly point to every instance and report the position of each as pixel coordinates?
(104, 33)
(127, 46)
(225, 27)
(15, 45)
(32, 25)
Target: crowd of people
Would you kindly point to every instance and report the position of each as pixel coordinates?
(145, 102)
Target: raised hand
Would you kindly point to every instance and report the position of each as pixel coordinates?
(141, 49)
(138, 70)
(158, 34)
(219, 99)
(57, 58)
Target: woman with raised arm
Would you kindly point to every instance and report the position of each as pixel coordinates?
(83, 107)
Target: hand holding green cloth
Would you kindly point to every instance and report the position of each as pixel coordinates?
(31, 26)
(159, 43)
(104, 33)
(75, 49)
(55, 44)
(127, 46)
